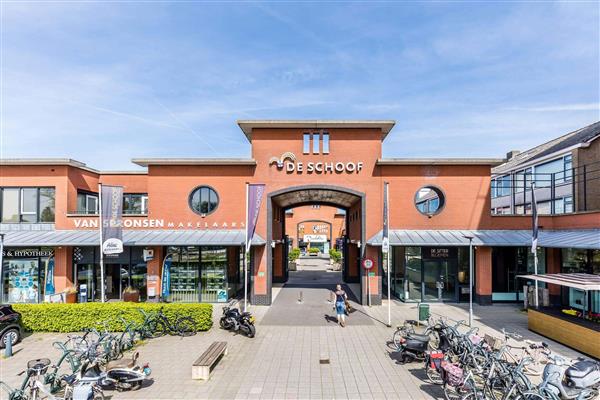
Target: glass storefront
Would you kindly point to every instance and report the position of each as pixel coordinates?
(507, 264)
(584, 261)
(209, 274)
(24, 272)
(429, 273)
(127, 269)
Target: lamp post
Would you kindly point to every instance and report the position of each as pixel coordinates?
(470, 278)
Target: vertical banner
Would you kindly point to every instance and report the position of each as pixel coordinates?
(166, 276)
(255, 195)
(385, 248)
(112, 219)
(49, 284)
(534, 221)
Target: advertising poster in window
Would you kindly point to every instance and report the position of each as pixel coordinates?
(23, 285)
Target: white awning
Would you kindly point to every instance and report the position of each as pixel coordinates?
(208, 237)
(581, 239)
(577, 281)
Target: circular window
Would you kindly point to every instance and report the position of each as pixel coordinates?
(204, 200)
(429, 200)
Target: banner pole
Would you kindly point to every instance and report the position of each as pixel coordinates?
(101, 239)
(246, 252)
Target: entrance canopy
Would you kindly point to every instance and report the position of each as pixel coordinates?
(577, 281)
(206, 237)
(581, 239)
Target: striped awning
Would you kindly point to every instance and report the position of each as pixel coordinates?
(577, 281)
(222, 237)
(582, 239)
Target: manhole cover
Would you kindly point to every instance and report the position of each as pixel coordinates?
(324, 361)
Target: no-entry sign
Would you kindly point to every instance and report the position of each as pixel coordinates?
(367, 263)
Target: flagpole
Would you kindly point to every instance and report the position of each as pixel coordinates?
(101, 240)
(246, 255)
(534, 238)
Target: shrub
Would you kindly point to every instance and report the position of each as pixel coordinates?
(294, 254)
(313, 250)
(335, 255)
(60, 317)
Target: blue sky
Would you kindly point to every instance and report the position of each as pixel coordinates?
(105, 82)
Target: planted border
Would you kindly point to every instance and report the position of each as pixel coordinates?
(59, 317)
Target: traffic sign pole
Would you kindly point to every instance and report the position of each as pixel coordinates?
(367, 264)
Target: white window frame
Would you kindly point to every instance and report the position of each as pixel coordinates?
(22, 198)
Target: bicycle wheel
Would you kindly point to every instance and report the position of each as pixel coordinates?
(454, 392)
(396, 338)
(434, 375)
(185, 326)
(531, 396)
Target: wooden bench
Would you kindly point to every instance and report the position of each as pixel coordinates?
(206, 362)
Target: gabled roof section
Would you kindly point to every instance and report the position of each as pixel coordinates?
(578, 138)
(247, 125)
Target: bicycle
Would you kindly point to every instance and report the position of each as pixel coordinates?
(158, 324)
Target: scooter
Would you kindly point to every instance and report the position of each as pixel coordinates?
(413, 347)
(126, 374)
(578, 381)
(85, 384)
(233, 320)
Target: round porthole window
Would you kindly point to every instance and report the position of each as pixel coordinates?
(429, 200)
(204, 200)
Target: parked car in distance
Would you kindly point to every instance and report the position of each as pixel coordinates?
(10, 327)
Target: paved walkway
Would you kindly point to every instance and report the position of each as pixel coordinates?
(303, 360)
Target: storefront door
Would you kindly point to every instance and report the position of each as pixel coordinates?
(117, 279)
(439, 280)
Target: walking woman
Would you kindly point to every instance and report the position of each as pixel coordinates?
(340, 304)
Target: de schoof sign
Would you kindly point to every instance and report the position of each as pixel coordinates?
(289, 163)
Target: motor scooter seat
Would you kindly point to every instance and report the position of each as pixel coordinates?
(581, 368)
(69, 379)
(416, 336)
(122, 363)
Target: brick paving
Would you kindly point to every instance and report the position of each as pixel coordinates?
(297, 357)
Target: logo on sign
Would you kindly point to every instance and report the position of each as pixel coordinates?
(112, 246)
(288, 155)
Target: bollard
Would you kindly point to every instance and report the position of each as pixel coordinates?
(8, 349)
(300, 297)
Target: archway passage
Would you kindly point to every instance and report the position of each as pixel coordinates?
(351, 202)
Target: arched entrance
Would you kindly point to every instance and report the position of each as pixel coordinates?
(352, 201)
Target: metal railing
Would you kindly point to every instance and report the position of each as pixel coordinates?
(574, 190)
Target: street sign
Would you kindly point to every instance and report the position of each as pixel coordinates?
(367, 263)
(385, 246)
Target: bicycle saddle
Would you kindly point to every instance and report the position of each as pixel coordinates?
(69, 379)
(411, 322)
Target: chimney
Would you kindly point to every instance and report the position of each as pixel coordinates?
(512, 154)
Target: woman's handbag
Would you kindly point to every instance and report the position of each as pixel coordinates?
(348, 306)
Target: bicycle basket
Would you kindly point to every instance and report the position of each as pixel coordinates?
(494, 342)
(38, 366)
(453, 374)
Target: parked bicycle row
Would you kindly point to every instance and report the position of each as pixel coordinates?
(93, 361)
(469, 366)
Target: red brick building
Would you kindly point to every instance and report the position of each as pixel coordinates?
(194, 210)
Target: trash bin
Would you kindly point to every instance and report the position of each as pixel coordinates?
(423, 312)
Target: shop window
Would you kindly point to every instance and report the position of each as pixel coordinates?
(429, 200)
(27, 205)
(204, 200)
(135, 203)
(87, 203)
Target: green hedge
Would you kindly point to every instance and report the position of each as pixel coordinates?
(56, 317)
(294, 254)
